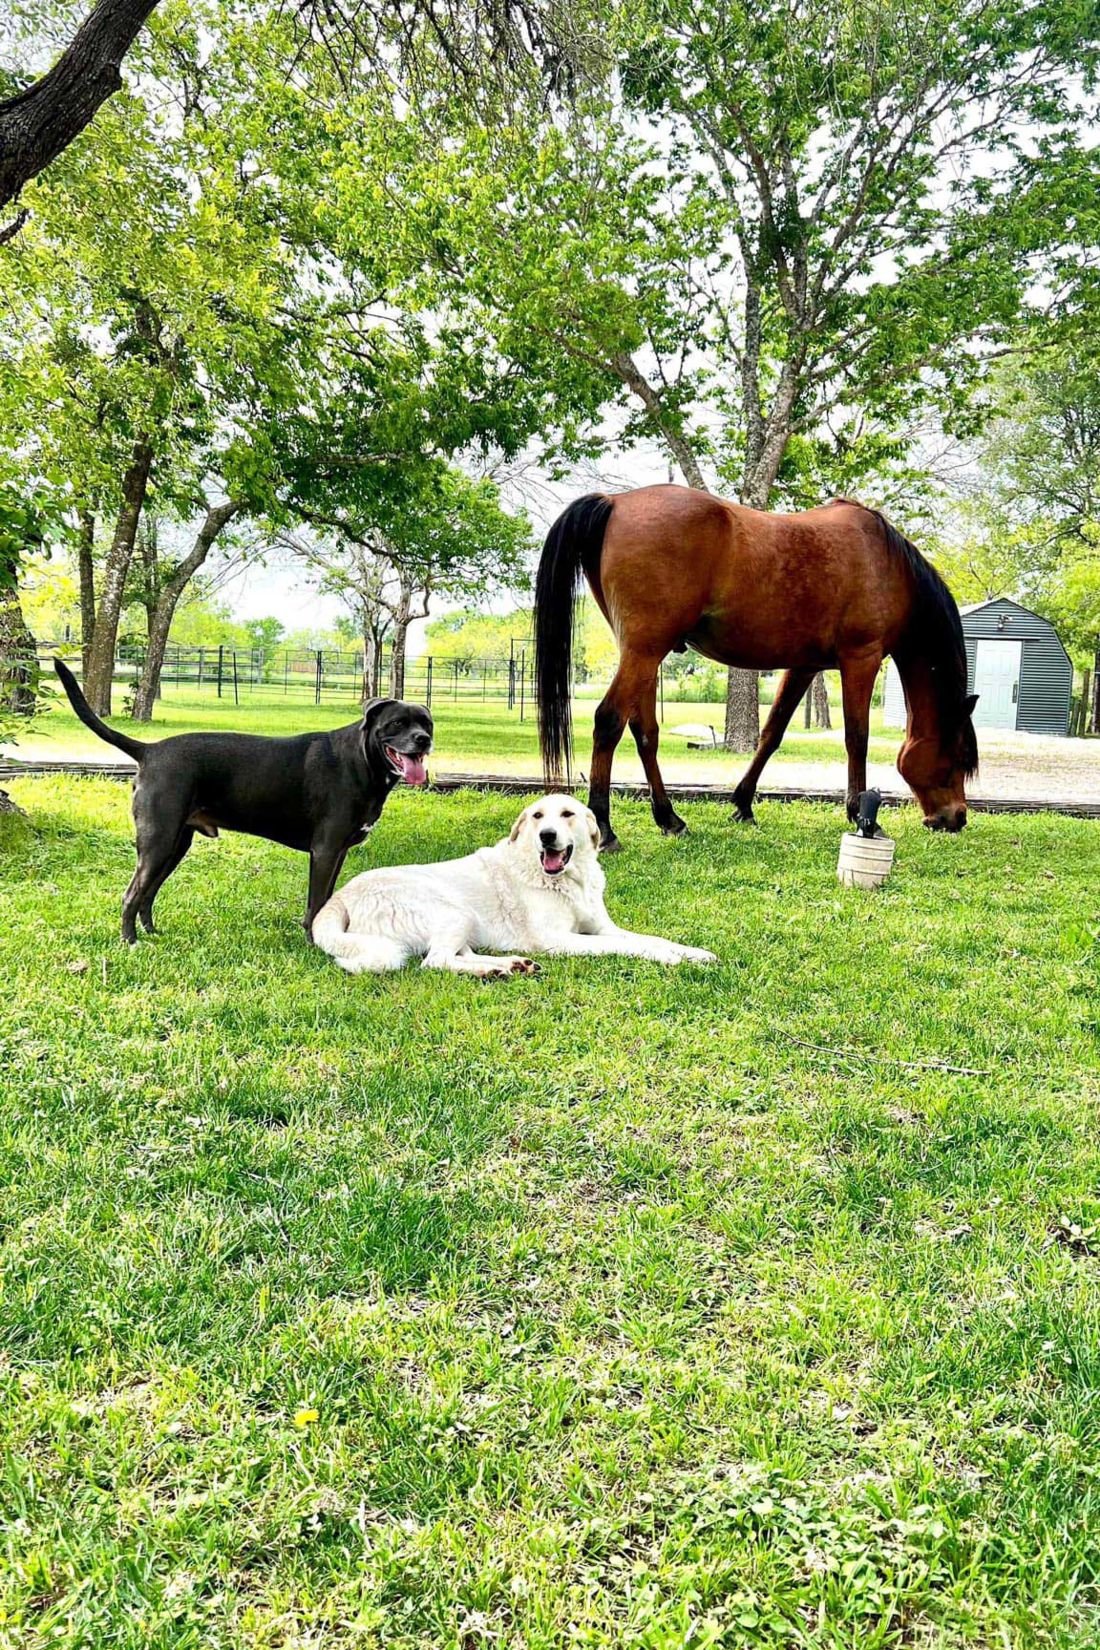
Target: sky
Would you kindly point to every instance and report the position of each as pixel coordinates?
(282, 592)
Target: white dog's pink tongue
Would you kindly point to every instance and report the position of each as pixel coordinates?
(552, 860)
(413, 771)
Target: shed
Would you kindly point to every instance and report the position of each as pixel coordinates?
(1015, 663)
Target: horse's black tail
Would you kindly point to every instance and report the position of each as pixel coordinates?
(121, 741)
(574, 542)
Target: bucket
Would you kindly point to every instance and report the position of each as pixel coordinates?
(864, 861)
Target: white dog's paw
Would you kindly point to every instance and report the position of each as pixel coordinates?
(694, 953)
(667, 952)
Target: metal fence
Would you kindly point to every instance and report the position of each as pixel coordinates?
(239, 674)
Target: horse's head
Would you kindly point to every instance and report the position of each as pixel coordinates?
(936, 767)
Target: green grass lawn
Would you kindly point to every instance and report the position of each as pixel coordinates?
(622, 1306)
(471, 735)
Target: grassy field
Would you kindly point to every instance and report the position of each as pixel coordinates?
(750, 1306)
(471, 736)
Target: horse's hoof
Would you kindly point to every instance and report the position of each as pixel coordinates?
(610, 845)
(674, 827)
(744, 815)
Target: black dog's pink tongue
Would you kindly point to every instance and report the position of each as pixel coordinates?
(552, 860)
(413, 771)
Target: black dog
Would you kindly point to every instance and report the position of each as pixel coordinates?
(320, 792)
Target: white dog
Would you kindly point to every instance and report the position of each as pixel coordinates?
(538, 890)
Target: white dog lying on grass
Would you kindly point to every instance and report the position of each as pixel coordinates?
(538, 890)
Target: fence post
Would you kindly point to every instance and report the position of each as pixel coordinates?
(286, 671)
(221, 666)
(428, 685)
(236, 697)
(522, 681)
(320, 668)
(202, 662)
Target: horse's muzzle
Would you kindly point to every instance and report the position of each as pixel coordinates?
(948, 819)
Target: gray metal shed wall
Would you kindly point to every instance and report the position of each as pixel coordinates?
(1046, 675)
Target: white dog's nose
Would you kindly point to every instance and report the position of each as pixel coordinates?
(548, 835)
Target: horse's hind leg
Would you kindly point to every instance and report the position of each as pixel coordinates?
(788, 696)
(644, 727)
(857, 682)
(620, 704)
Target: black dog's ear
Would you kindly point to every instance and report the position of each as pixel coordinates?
(970, 701)
(372, 710)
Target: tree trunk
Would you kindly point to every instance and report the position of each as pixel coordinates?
(145, 693)
(742, 709)
(370, 663)
(18, 657)
(164, 611)
(379, 643)
(819, 695)
(101, 654)
(397, 661)
(150, 570)
(45, 117)
(1080, 709)
(1094, 718)
(85, 551)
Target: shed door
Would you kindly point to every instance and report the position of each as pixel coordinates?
(997, 683)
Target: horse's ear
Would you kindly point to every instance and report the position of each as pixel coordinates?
(518, 826)
(970, 701)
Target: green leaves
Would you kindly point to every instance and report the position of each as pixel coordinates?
(782, 221)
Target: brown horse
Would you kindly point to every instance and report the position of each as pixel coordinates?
(836, 587)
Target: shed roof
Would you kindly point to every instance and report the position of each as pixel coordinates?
(1003, 601)
(1029, 612)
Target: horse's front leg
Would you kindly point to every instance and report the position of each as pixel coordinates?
(857, 683)
(787, 698)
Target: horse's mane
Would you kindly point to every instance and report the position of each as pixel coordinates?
(935, 633)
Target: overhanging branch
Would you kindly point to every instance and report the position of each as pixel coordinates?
(44, 118)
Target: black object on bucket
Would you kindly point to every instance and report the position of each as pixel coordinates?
(868, 806)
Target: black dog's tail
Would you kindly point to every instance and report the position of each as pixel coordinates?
(572, 544)
(122, 742)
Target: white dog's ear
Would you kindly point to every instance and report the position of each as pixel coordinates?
(518, 826)
(593, 827)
